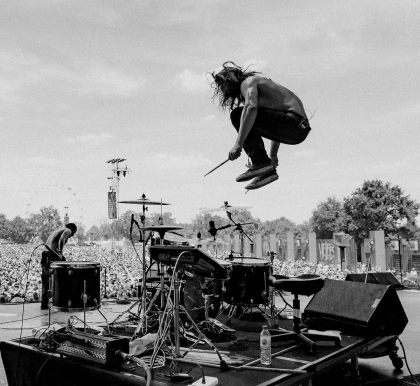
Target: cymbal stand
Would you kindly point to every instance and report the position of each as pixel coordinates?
(171, 317)
(142, 304)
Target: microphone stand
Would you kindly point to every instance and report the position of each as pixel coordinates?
(242, 233)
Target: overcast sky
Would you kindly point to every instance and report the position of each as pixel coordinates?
(82, 82)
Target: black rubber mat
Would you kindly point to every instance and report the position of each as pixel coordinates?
(403, 381)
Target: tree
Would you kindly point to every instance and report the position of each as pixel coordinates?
(45, 222)
(329, 217)
(105, 230)
(80, 235)
(278, 226)
(4, 226)
(93, 233)
(378, 206)
(19, 230)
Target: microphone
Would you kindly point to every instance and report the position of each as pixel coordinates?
(212, 230)
(224, 227)
(131, 225)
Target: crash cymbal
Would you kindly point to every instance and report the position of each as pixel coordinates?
(225, 208)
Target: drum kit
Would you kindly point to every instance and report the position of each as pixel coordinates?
(190, 287)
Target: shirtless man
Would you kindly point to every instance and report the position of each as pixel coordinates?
(55, 242)
(259, 108)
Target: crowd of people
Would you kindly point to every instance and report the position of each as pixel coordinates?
(20, 270)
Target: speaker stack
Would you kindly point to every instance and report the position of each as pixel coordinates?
(356, 308)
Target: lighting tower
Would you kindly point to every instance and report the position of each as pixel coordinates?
(114, 189)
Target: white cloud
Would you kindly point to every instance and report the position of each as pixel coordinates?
(90, 139)
(209, 118)
(40, 160)
(304, 153)
(22, 69)
(191, 82)
(102, 79)
(179, 162)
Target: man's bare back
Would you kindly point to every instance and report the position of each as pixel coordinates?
(273, 95)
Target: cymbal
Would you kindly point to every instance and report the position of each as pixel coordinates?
(161, 228)
(143, 201)
(225, 208)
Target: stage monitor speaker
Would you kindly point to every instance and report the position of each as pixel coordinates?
(356, 308)
(385, 278)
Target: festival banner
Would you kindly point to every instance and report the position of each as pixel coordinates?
(112, 205)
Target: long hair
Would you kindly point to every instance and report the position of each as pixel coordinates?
(227, 85)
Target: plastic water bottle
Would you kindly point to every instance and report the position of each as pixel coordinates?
(265, 345)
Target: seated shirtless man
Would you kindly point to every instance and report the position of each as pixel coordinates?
(259, 107)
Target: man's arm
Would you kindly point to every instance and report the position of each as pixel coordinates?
(273, 153)
(250, 90)
(63, 240)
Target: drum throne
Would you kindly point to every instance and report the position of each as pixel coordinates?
(301, 285)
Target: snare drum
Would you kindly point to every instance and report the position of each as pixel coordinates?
(248, 282)
(68, 278)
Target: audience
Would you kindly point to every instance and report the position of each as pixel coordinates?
(121, 271)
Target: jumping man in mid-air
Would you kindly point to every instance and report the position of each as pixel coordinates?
(259, 107)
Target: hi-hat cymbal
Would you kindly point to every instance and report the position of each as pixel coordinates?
(225, 208)
(143, 201)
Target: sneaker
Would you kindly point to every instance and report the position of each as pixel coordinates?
(263, 180)
(255, 171)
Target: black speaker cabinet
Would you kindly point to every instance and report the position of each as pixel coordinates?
(385, 278)
(355, 308)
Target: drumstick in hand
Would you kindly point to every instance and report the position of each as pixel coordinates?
(217, 167)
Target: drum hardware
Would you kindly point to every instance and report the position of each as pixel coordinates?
(212, 325)
(145, 201)
(229, 209)
(171, 318)
(50, 299)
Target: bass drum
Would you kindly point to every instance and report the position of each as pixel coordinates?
(68, 285)
(197, 286)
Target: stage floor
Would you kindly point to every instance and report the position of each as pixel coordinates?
(371, 369)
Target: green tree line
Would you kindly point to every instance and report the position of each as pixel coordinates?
(375, 205)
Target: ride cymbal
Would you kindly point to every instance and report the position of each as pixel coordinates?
(225, 208)
(143, 202)
(161, 228)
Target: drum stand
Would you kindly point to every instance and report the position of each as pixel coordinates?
(142, 299)
(212, 325)
(171, 318)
